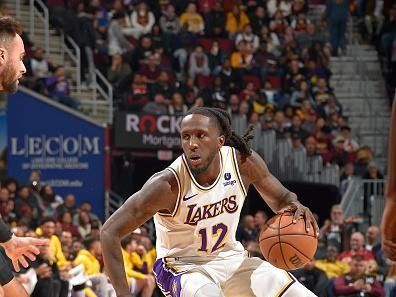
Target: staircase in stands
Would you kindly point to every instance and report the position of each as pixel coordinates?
(360, 88)
(91, 102)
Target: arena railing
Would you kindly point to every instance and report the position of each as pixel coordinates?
(113, 201)
(105, 89)
(34, 15)
(365, 198)
(73, 51)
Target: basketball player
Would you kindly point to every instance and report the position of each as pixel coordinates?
(388, 226)
(196, 203)
(11, 70)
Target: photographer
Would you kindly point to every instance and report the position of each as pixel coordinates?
(356, 283)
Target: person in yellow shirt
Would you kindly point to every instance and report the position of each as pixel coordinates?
(144, 256)
(47, 230)
(89, 259)
(331, 265)
(236, 20)
(140, 283)
(194, 21)
(243, 57)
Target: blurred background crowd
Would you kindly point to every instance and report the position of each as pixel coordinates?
(267, 63)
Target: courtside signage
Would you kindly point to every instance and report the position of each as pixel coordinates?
(146, 131)
(68, 150)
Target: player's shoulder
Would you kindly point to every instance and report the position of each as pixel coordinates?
(165, 176)
(251, 166)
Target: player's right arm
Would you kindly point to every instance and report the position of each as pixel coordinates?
(388, 226)
(159, 193)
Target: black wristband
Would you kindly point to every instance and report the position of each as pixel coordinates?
(5, 232)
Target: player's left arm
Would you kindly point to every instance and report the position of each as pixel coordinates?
(255, 172)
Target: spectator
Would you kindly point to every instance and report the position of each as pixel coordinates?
(302, 92)
(49, 280)
(363, 158)
(50, 200)
(163, 86)
(170, 26)
(215, 20)
(69, 205)
(145, 283)
(141, 22)
(337, 16)
(346, 177)
(350, 144)
(138, 94)
(41, 68)
(236, 21)
(119, 75)
(47, 230)
(312, 278)
(321, 92)
(158, 106)
(330, 265)
(199, 64)
(259, 19)
(67, 225)
(66, 240)
(242, 59)
(337, 155)
(88, 257)
(247, 35)
(335, 231)
(216, 57)
(27, 206)
(357, 248)
(356, 283)
(150, 69)
(192, 19)
(373, 189)
(260, 218)
(118, 44)
(84, 224)
(247, 231)
(177, 107)
(58, 88)
(229, 76)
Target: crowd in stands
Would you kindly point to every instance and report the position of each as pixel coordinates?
(264, 61)
(349, 260)
(72, 263)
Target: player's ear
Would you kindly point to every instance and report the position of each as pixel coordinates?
(3, 54)
(221, 141)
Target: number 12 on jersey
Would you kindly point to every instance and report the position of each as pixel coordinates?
(219, 230)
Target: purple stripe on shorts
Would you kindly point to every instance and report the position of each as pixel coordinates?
(168, 281)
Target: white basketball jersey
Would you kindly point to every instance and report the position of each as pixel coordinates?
(205, 219)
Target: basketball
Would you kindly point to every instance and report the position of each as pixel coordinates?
(286, 245)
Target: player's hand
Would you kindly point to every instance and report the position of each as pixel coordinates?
(17, 248)
(389, 248)
(301, 211)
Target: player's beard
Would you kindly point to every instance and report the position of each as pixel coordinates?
(9, 80)
(202, 169)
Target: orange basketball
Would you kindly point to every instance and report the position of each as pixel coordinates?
(286, 245)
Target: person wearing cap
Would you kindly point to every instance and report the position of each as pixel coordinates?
(337, 155)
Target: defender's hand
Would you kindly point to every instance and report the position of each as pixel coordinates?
(17, 248)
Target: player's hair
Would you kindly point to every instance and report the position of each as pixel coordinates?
(223, 120)
(9, 28)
